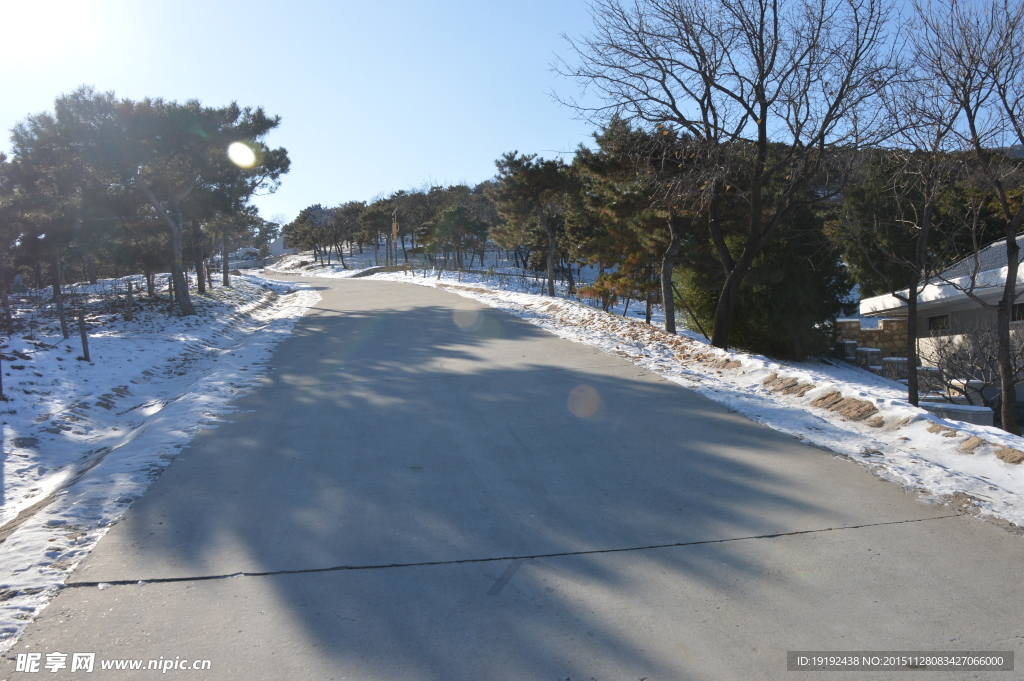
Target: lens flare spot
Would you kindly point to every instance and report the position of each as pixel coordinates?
(466, 319)
(242, 155)
(584, 401)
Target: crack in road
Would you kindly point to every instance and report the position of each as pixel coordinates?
(461, 561)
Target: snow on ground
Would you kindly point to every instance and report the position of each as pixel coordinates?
(83, 440)
(870, 421)
(500, 270)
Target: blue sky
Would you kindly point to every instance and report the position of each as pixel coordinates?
(372, 98)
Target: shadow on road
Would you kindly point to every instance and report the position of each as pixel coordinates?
(419, 432)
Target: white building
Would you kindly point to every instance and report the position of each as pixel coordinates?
(944, 307)
(947, 314)
(279, 247)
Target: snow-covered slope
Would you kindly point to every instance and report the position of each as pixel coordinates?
(83, 440)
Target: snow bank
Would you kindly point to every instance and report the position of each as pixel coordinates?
(83, 440)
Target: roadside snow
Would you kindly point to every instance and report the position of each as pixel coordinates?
(302, 264)
(945, 461)
(83, 440)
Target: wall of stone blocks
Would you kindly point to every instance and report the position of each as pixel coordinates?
(890, 337)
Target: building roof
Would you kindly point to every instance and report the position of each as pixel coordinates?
(991, 257)
(987, 267)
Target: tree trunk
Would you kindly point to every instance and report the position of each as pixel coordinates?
(572, 283)
(920, 266)
(552, 247)
(90, 269)
(197, 245)
(668, 262)
(129, 302)
(723, 312)
(173, 219)
(58, 296)
(3, 293)
(177, 270)
(1004, 350)
(226, 269)
(85, 338)
(913, 393)
(757, 236)
(729, 298)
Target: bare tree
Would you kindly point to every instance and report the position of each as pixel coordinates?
(894, 236)
(776, 90)
(969, 360)
(973, 51)
(926, 173)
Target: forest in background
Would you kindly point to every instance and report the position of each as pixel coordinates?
(753, 161)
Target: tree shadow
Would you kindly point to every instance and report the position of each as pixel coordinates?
(395, 434)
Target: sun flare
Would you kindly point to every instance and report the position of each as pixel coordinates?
(242, 155)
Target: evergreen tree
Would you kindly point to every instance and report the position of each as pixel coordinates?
(796, 288)
(529, 190)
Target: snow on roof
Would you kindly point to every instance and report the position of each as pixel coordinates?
(987, 267)
(991, 257)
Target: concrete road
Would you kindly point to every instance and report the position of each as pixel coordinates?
(426, 488)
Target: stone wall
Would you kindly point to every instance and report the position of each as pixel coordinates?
(890, 337)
